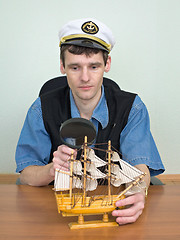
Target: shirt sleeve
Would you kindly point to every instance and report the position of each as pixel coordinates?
(34, 145)
(136, 142)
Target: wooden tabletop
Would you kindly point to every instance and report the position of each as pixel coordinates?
(31, 213)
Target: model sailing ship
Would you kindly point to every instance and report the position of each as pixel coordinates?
(85, 175)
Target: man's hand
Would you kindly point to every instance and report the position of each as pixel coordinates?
(134, 206)
(43, 175)
(61, 157)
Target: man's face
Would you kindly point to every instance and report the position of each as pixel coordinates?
(85, 75)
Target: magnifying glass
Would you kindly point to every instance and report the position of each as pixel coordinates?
(73, 131)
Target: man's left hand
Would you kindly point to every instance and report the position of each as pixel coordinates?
(134, 206)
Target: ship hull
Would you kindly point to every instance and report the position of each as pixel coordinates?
(88, 206)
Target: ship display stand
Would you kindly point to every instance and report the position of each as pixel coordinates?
(78, 190)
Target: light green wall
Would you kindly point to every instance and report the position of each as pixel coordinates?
(145, 60)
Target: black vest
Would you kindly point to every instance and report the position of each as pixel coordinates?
(56, 110)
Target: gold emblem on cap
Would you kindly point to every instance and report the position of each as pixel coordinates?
(90, 27)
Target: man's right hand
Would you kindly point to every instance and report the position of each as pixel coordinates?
(42, 175)
(61, 157)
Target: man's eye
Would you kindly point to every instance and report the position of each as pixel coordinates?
(94, 67)
(74, 68)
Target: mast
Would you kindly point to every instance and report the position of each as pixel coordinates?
(71, 176)
(85, 161)
(109, 170)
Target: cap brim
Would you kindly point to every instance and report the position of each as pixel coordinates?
(85, 43)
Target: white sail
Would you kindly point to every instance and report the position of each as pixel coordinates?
(127, 169)
(77, 168)
(115, 157)
(94, 172)
(130, 170)
(116, 182)
(118, 176)
(77, 183)
(95, 159)
(62, 180)
(125, 174)
(91, 184)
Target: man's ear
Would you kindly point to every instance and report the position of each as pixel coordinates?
(108, 64)
(62, 67)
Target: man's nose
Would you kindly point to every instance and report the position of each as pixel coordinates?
(85, 75)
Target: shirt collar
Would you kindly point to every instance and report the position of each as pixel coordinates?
(100, 113)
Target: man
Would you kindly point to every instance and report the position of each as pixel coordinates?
(85, 45)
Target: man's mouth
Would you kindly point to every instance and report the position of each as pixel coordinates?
(85, 87)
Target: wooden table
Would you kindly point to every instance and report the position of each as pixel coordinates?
(31, 213)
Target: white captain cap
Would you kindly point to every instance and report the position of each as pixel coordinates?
(87, 32)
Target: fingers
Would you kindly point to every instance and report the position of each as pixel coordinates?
(139, 197)
(61, 157)
(128, 219)
(134, 208)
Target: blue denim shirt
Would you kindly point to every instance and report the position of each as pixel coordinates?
(136, 142)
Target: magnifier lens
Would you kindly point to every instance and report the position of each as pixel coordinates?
(73, 131)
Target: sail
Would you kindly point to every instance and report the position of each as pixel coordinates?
(77, 168)
(62, 180)
(98, 162)
(91, 184)
(118, 176)
(125, 174)
(94, 172)
(115, 157)
(77, 183)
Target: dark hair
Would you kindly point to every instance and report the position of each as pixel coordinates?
(78, 50)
